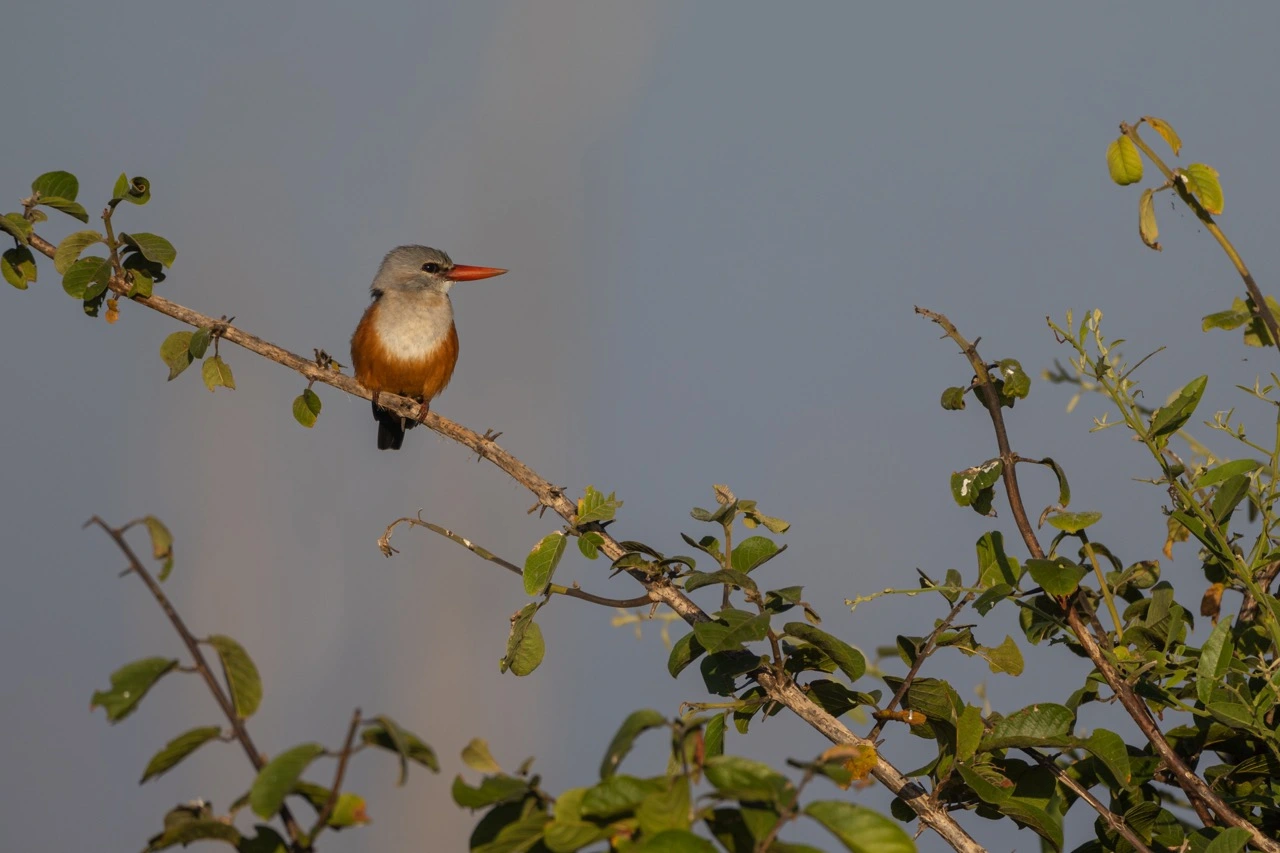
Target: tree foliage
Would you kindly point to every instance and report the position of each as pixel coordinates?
(1192, 761)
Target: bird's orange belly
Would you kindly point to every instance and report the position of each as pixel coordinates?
(382, 370)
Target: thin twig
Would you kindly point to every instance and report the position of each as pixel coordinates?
(925, 650)
(323, 818)
(553, 497)
(1205, 801)
(384, 544)
(202, 666)
(1115, 821)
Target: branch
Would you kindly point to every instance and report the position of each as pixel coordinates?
(551, 497)
(1113, 820)
(1260, 307)
(926, 650)
(238, 729)
(1206, 802)
(323, 818)
(384, 545)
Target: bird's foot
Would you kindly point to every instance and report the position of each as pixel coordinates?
(421, 417)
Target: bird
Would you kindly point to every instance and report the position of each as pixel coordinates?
(406, 342)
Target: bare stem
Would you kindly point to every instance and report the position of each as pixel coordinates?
(202, 666)
(322, 819)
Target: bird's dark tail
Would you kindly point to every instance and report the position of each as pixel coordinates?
(391, 428)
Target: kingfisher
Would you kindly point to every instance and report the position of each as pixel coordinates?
(406, 342)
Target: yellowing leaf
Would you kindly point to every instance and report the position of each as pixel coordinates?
(1124, 162)
(1166, 130)
(1147, 228)
(1203, 181)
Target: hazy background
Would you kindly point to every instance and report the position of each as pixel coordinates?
(717, 218)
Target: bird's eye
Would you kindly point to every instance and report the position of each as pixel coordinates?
(431, 267)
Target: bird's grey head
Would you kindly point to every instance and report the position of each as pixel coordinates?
(413, 269)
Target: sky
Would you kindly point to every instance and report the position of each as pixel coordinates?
(718, 218)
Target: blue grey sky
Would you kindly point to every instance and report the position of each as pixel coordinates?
(717, 217)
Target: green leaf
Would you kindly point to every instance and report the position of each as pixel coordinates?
(277, 778)
(753, 552)
(161, 544)
(968, 732)
(719, 637)
(1124, 162)
(199, 342)
(1036, 725)
(135, 191)
(1058, 577)
(477, 756)
(969, 484)
(242, 675)
(1228, 497)
(697, 580)
(635, 723)
(994, 565)
(953, 398)
(1109, 748)
(88, 278)
(859, 828)
(745, 779)
(1215, 660)
(71, 247)
(665, 810)
(1073, 522)
(721, 670)
(1003, 658)
(1148, 229)
(61, 184)
(594, 506)
(541, 563)
(306, 408)
(1170, 418)
(618, 795)
(71, 208)
(675, 841)
(386, 734)
(849, 659)
(1230, 840)
(184, 825)
(751, 518)
(129, 684)
(216, 373)
(713, 737)
(568, 836)
(17, 226)
(18, 266)
(525, 647)
(1017, 384)
(348, 810)
(686, 650)
(178, 749)
(589, 544)
(175, 352)
(1064, 490)
(1226, 471)
(1203, 182)
(153, 247)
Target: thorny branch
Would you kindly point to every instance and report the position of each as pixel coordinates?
(1207, 804)
(779, 687)
(384, 545)
(238, 729)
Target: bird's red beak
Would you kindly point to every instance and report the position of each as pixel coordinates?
(462, 272)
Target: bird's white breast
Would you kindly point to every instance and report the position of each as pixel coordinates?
(412, 326)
